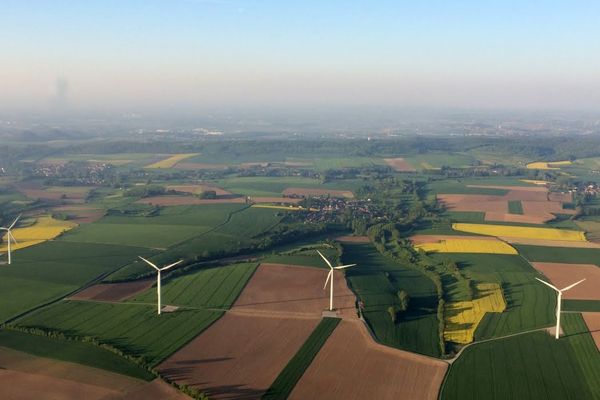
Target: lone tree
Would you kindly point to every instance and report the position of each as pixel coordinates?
(393, 313)
(404, 299)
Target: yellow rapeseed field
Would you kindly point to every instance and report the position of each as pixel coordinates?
(45, 228)
(547, 165)
(171, 161)
(521, 232)
(463, 317)
(468, 246)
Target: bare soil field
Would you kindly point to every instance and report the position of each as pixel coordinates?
(239, 356)
(422, 239)
(192, 166)
(546, 207)
(317, 192)
(399, 164)
(562, 275)
(196, 189)
(526, 219)
(592, 320)
(560, 197)
(75, 194)
(280, 289)
(551, 243)
(24, 376)
(353, 239)
(350, 355)
(113, 291)
(187, 200)
(474, 202)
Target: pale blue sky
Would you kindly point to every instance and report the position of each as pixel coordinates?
(197, 53)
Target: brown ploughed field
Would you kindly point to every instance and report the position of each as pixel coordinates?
(399, 164)
(592, 320)
(562, 275)
(525, 219)
(317, 192)
(187, 200)
(561, 197)
(352, 366)
(239, 356)
(113, 291)
(278, 289)
(24, 376)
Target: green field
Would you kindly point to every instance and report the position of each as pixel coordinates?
(291, 374)
(515, 207)
(54, 269)
(239, 230)
(433, 160)
(72, 351)
(529, 304)
(215, 287)
(134, 329)
(528, 366)
(417, 330)
(275, 185)
(559, 254)
(460, 187)
(171, 226)
(581, 305)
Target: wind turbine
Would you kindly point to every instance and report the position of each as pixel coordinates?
(558, 303)
(9, 236)
(330, 276)
(159, 270)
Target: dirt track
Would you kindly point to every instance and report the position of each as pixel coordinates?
(114, 291)
(592, 320)
(562, 275)
(281, 288)
(399, 164)
(352, 366)
(239, 356)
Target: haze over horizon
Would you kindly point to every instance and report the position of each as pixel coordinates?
(212, 53)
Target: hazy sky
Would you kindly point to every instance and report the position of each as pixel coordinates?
(204, 53)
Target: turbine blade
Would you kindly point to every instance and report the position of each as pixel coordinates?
(15, 222)
(570, 286)
(171, 265)
(10, 236)
(328, 276)
(149, 263)
(326, 260)
(345, 266)
(547, 284)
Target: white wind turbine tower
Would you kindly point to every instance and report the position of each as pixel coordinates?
(330, 277)
(558, 302)
(159, 270)
(9, 237)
